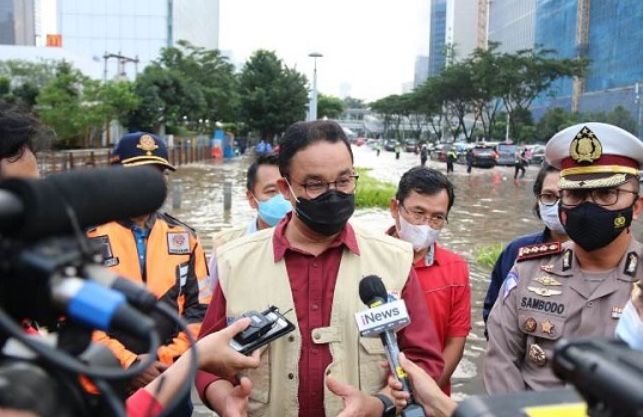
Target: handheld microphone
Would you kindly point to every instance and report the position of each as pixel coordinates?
(384, 318)
(100, 308)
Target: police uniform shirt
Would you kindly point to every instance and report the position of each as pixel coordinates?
(543, 300)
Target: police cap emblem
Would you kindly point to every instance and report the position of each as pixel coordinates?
(585, 147)
(147, 144)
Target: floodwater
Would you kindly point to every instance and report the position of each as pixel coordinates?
(489, 207)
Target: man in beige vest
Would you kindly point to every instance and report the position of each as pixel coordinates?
(264, 197)
(579, 288)
(312, 263)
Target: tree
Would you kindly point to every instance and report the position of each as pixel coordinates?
(622, 118)
(166, 97)
(59, 104)
(354, 103)
(553, 121)
(273, 96)
(526, 74)
(78, 108)
(329, 107)
(460, 94)
(188, 88)
(556, 119)
(485, 71)
(211, 73)
(429, 101)
(390, 108)
(26, 80)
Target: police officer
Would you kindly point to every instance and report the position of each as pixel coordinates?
(160, 252)
(452, 156)
(578, 288)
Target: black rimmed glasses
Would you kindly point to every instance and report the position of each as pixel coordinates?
(437, 221)
(315, 188)
(604, 197)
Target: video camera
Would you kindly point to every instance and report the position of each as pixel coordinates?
(51, 274)
(606, 373)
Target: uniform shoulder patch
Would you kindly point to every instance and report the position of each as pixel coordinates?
(173, 221)
(538, 250)
(631, 264)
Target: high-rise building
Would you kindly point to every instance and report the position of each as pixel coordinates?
(421, 70)
(196, 21)
(461, 36)
(511, 23)
(608, 33)
(135, 29)
(17, 22)
(437, 36)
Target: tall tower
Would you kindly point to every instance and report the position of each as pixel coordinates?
(17, 22)
(437, 37)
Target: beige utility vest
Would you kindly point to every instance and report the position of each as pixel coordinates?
(251, 280)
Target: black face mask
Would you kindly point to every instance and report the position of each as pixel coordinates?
(328, 213)
(592, 226)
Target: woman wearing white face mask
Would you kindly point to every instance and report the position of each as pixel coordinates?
(420, 210)
(546, 192)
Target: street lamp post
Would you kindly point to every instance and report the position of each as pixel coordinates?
(312, 108)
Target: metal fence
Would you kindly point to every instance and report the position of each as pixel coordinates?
(57, 161)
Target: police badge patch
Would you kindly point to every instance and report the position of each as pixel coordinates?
(102, 242)
(178, 243)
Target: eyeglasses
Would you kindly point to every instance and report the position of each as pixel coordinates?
(548, 199)
(419, 217)
(345, 184)
(602, 196)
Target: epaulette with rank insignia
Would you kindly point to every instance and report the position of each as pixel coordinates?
(538, 250)
(176, 222)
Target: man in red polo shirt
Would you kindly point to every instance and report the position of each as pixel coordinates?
(312, 262)
(420, 209)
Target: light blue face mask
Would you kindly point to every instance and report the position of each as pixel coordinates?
(274, 209)
(630, 327)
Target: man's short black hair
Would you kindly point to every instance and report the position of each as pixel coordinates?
(302, 134)
(540, 181)
(17, 133)
(251, 177)
(426, 181)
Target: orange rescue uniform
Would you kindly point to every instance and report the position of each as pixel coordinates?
(175, 271)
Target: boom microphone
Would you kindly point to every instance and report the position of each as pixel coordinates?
(384, 318)
(33, 209)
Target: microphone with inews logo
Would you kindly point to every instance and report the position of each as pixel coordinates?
(383, 318)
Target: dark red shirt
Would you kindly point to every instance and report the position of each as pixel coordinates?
(312, 281)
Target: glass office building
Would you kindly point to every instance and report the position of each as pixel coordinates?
(135, 29)
(437, 37)
(17, 22)
(614, 48)
(511, 23)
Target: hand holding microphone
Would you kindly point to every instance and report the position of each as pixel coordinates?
(384, 318)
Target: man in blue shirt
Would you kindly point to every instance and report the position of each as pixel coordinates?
(546, 208)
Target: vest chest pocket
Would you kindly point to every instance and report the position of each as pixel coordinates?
(372, 377)
(260, 394)
(541, 326)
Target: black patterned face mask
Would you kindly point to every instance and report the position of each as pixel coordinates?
(593, 227)
(328, 213)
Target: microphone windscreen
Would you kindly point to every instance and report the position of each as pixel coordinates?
(95, 196)
(371, 288)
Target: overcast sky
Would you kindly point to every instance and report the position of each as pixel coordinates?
(368, 45)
